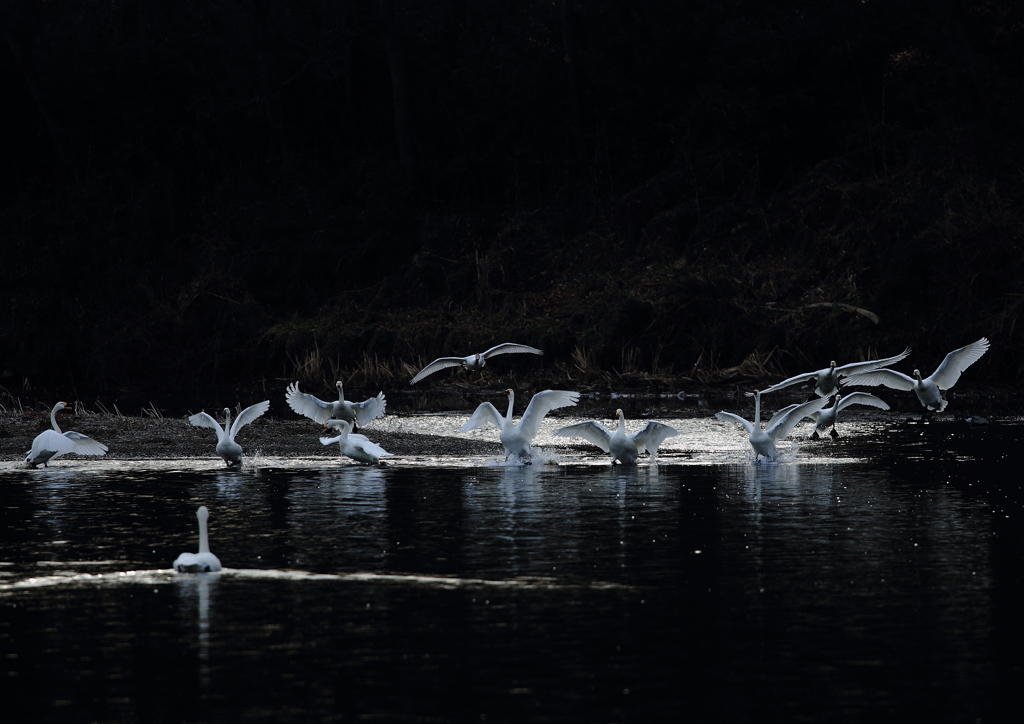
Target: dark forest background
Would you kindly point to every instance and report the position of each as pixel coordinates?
(199, 194)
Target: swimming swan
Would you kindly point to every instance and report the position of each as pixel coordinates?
(358, 413)
(622, 447)
(227, 448)
(474, 361)
(357, 447)
(516, 439)
(928, 390)
(827, 381)
(779, 427)
(51, 444)
(203, 561)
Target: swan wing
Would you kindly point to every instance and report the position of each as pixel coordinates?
(591, 431)
(887, 378)
(85, 445)
(956, 362)
(369, 410)
(652, 435)
(330, 440)
(730, 417)
(485, 413)
(308, 406)
(797, 379)
(787, 422)
(439, 364)
(862, 398)
(51, 440)
(248, 415)
(856, 368)
(780, 414)
(366, 446)
(508, 347)
(541, 404)
(202, 419)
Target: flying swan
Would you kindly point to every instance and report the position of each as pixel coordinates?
(827, 381)
(357, 447)
(227, 448)
(358, 413)
(622, 447)
(516, 439)
(928, 390)
(51, 444)
(826, 417)
(203, 561)
(779, 427)
(474, 362)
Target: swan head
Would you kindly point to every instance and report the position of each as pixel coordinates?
(917, 374)
(618, 412)
(832, 364)
(337, 385)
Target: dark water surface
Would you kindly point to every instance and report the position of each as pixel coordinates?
(882, 582)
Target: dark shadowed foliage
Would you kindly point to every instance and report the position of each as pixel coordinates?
(206, 194)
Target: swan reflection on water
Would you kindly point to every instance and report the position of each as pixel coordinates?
(195, 592)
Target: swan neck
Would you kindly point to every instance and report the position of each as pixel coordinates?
(511, 403)
(53, 417)
(204, 540)
(757, 410)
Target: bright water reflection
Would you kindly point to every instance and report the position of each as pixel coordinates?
(879, 577)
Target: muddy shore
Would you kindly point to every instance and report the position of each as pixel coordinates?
(153, 438)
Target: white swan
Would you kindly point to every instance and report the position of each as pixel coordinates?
(474, 361)
(622, 447)
(827, 381)
(358, 413)
(826, 417)
(203, 561)
(227, 448)
(516, 439)
(357, 447)
(928, 390)
(779, 427)
(51, 444)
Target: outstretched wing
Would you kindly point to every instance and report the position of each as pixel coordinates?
(201, 419)
(888, 378)
(785, 425)
(369, 410)
(485, 413)
(780, 414)
(307, 405)
(541, 404)
(957, 361)
(856, 368)
(439, 364)
(591, 431)
(248, 415)
(85, 445)
(653, 434)
(508, 347)
(862, 398)
(730, 417)
(797, 379)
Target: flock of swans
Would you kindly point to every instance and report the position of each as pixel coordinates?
(517, 439)
(343, 417)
